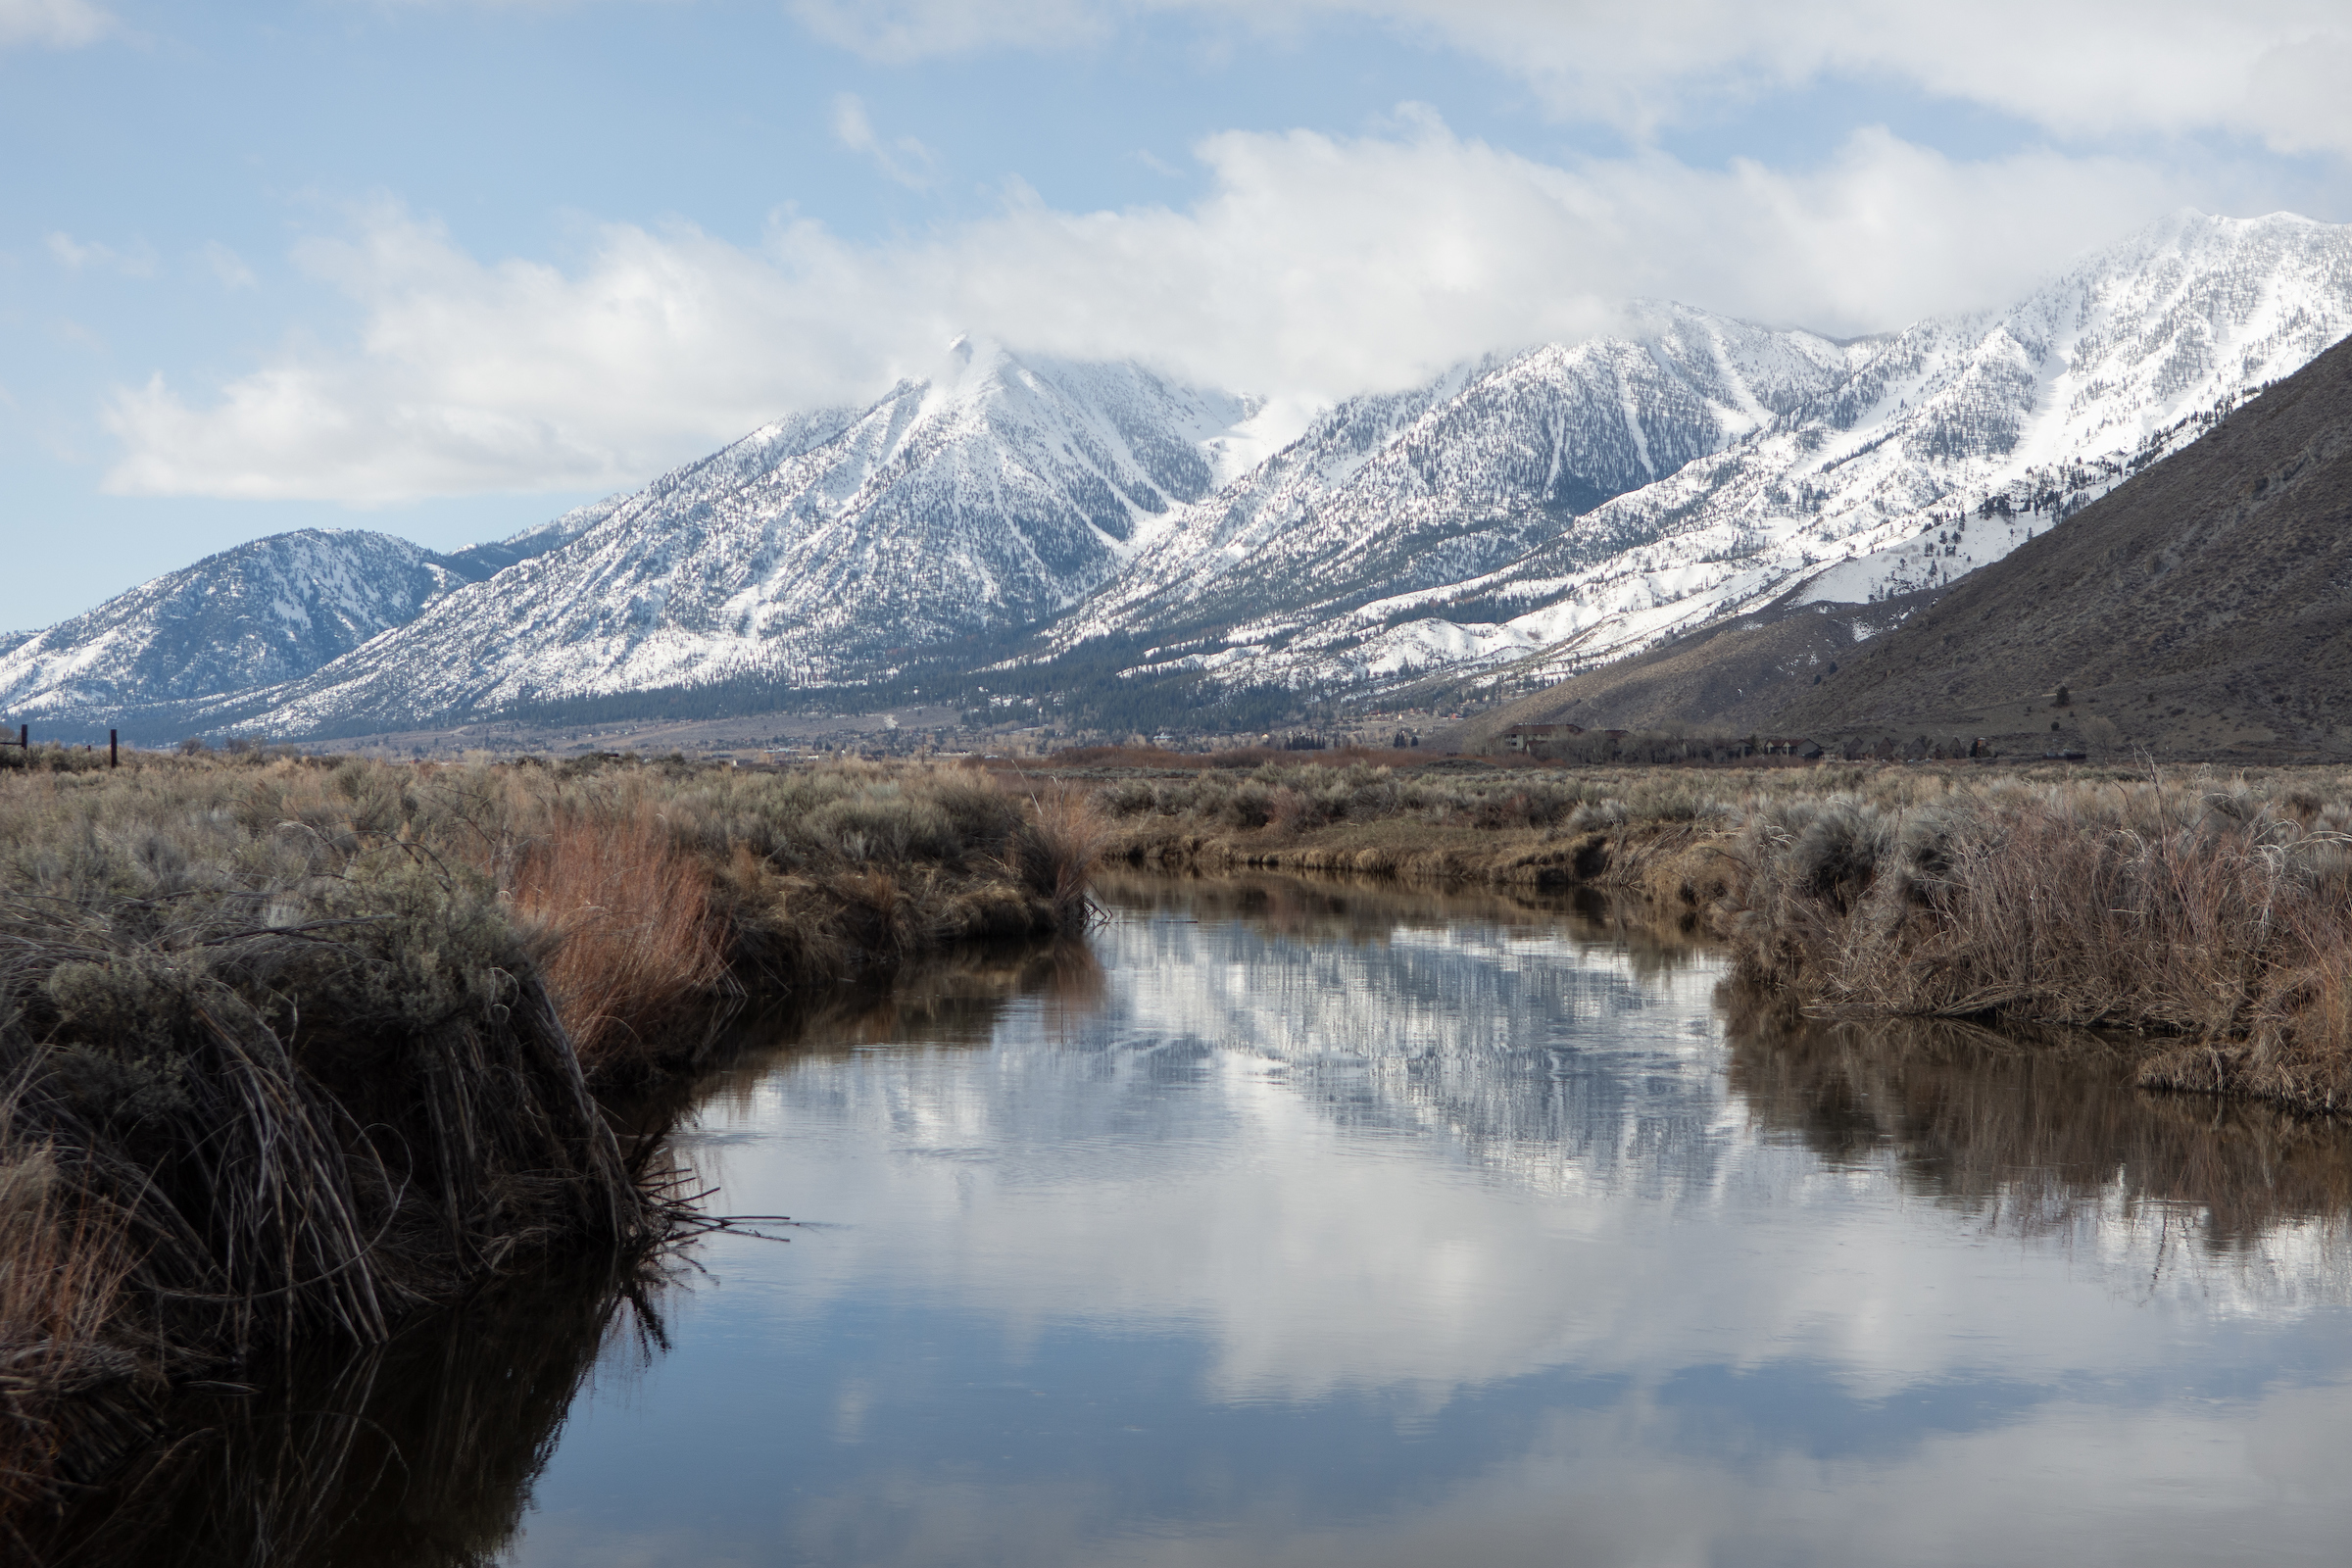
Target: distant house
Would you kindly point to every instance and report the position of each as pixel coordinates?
(1537, 740)
(1790, 745)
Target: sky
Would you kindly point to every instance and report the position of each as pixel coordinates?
(447, 268)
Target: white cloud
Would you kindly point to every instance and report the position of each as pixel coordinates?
(913, 30)
(80, 256)
(226, 266)
(905, 159)
(1313, 267)
(2270, 68)
(59, 24)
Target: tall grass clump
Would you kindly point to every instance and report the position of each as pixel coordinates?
(629, 917)
(2218, 914)
(270, 1071)
(292, 1050)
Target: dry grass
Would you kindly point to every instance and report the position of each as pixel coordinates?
(636, 936)
(1508, 828)
(2216, 912)
(1071, 836)
(291, 1049)
(64, 1263)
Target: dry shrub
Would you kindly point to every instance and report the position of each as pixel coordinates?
(2204, 913)
(1288, 811)
(635, 937)
(1070, 836)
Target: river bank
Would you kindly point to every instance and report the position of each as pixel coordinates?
(2207, 916)
(292, 1050)
(297, 1051)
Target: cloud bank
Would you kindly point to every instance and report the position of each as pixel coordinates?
(1313, 267)
(2267, 69)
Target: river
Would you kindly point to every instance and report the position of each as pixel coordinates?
(1308, 1223)
(1286, 1222)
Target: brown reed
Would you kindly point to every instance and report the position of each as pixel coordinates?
(636, 939)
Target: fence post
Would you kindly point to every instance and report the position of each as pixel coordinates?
(113, 755)
(25, 738)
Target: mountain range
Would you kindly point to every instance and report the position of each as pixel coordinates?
(1014, 523)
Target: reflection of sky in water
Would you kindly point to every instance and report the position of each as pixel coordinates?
(1350, 1240)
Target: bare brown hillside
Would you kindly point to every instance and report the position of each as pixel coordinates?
(2204, 609)
(1726, 679)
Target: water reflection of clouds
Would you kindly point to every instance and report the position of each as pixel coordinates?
(1447, 1157)
(1487, 1233)
(1034, 1463)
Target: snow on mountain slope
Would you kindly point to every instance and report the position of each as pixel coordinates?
(487, 560)
(257, 615)
(1950, 444)
(263, 613)
(1459, 476)
(995, 493)
(1542, 511)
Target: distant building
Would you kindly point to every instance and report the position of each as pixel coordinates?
(1790, 745)
(1537, 740)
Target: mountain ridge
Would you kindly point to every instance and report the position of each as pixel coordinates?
(2038, 409)
(1014, 518)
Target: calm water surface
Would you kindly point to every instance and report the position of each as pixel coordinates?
(1306, 1224)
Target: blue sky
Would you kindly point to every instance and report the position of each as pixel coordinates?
(446, 269)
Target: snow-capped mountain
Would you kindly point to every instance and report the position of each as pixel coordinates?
(261, 613)
(1534, 512)
(1464, 474)
(1942, 449)
(997, 492)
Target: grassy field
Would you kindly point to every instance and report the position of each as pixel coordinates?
(293, 1049)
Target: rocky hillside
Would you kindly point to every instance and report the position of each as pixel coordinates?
(1733, 677)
